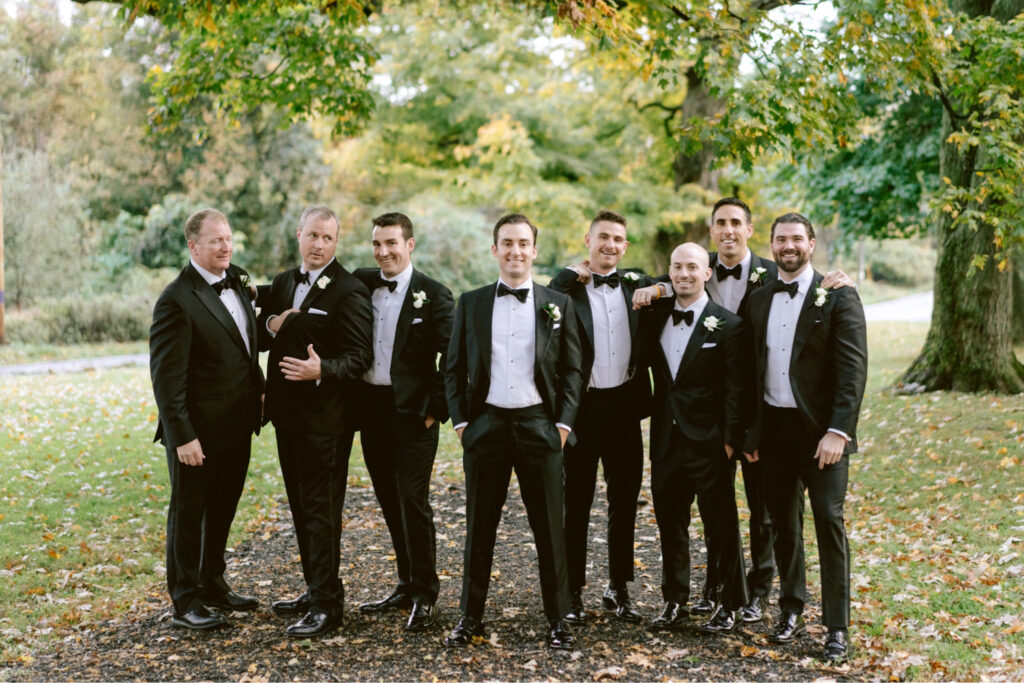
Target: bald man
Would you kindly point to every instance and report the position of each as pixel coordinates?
(698, 354)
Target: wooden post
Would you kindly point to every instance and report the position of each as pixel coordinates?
(3, 334)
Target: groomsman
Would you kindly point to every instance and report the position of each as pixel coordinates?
(315, 322)
(698, 356)
(513, 385)
(616, 394)
(207, 383)
(402, 403)
(811, 355)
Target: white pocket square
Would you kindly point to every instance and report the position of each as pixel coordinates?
(316, 311)
(556, 326)
(708, 346)
(416, 321)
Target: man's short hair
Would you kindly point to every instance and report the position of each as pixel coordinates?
(320, 212)
(194, 223)
(514, 218)
(731, 201)
(387, 220)
(609, 216)
(794, 217)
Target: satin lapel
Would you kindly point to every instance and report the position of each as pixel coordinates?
(483, 312)
(582, 303)
(755, 263)
(289, 289)
(330, 273)
(662, 314)
(712, 285)
(250, 315)
(628, 288)
(806, 320)
(213, 303)
(544, 326)
(697, 338)
(406, 315)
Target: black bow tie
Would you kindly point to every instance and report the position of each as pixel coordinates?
(682, 316)
(722, 272)
(301, 278)
(520, 294)
(225, 283)
(781, 286)
(610, 280)
(381, 282)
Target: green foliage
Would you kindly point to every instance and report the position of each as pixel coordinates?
(82, 319)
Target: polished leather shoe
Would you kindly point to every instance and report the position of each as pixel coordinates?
(577, 615)
(722, 621)
(673, 617)
(464, 632)
(754, 610)
(299, 605)
(198, 618)
(706, 603)
(560, 635)
(315, 623)
(396, 600)
(421, 618)
(837, 648)
(616, 598)
(230, 602)
(789, 627)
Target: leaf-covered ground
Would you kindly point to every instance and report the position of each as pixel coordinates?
(141, 644)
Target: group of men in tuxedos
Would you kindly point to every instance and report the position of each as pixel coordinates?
(751, 360)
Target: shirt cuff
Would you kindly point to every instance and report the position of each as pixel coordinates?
(461, 425)
(267, 325)
(664, 288)
(564, 426)
(840, 433)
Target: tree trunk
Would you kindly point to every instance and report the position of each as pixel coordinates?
(969, 345)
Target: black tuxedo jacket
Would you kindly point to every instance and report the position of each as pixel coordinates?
(829, 363)
(557, 361)
(336, 319)
(421, 334)
(206, 384)
(567, 281)
(771, 274)
(706, 398)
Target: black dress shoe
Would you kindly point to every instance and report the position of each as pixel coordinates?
(230, 602)
(673, 617)
(316, 623)
(789, 628)
(421, 618)
(298, 605)
(722, 621)
(577, 615)
(706, 603)
(396, 600)
(198, 618)
(464, 632)
(616, 598)
(754, 611)
(837, 648)
(560, 635)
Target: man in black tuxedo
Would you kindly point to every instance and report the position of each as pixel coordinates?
(513, 384)
(698, 354)
(207, 383)
(811, 354)
(402, 404)
(315, 321)
(616, 394)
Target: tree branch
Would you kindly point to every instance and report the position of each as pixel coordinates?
(946, 104)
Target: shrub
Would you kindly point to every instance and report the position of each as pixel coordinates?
(84, 319)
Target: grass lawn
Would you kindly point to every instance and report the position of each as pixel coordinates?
(11, 354)
(935, 513)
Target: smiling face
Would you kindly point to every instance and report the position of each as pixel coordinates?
(791, 247)
(607, 243)
(391, 249)
(318, 240)
(515, 250)
(213, 247)
(689, 271)
(730, 231)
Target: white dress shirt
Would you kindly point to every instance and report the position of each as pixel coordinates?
(674, 338)
(782, 317)
(301, 290)
(513, 351)
(231, 301)
(611, 336)
(386, 307)
(728, 293)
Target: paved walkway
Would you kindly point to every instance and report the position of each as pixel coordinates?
(909, 309)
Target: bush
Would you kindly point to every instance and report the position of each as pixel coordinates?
(84, 319)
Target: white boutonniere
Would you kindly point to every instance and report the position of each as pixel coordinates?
(419, 298)
(820, 296)
(711, 323)
(631, 276)
(323, 281)
(553, 311)
(245, 280)
(757, 277)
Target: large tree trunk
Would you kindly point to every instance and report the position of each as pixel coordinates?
(969, 345)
